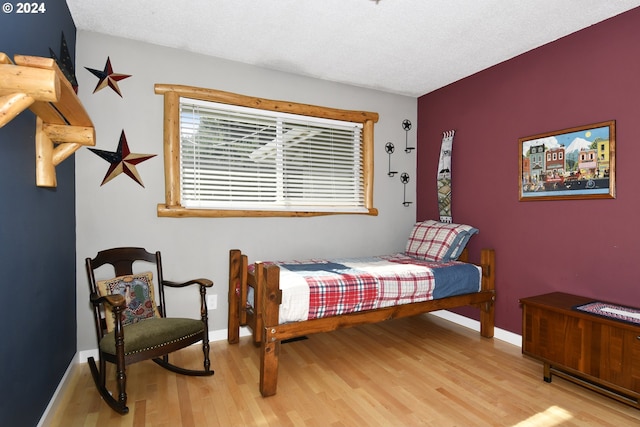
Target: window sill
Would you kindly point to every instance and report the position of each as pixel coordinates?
(181, 212)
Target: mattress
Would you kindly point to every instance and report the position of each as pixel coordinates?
(318, 288)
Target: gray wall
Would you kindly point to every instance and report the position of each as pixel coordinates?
(123, 213)
(37, 243)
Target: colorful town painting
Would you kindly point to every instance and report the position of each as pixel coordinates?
(574, 163)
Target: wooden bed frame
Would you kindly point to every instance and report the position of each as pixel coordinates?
(268, 333)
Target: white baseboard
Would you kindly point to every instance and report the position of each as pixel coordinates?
(499, 334)
(221, 334)
(84, 355)
(58, 394)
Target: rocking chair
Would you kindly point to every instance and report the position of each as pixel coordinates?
(131, 326)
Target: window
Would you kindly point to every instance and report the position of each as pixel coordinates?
(232, 155)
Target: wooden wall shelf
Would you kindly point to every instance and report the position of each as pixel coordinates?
(62, 125)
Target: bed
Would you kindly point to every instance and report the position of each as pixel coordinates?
(281, 301)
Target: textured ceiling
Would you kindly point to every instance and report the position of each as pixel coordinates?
(408, 47)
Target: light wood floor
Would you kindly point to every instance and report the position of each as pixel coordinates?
(421, 371)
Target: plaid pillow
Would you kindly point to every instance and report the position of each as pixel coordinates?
(438, 241)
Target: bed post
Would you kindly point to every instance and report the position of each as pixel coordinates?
(270, 348)
(487, 309)
(242, 302)
(233, 331)
(258, 285)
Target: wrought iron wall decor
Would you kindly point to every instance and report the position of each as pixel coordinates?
(406, 125)
(404, 178)
(390, 148)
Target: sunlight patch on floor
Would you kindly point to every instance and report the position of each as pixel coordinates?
(553, 416)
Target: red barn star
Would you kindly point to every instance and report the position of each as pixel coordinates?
(122, 161)
(108, 78)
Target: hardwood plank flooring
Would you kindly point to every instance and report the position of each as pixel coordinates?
(419, 371)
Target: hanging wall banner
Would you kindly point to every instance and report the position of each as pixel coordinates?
(444, 177)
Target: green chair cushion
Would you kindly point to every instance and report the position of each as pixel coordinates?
(152, 333)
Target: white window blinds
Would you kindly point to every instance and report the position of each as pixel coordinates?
(234, 157)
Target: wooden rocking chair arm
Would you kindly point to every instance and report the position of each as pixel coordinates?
(112, 300)
(202, 282)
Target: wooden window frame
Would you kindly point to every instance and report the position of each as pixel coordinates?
(172, 93)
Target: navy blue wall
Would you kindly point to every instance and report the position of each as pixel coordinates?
(37, 242)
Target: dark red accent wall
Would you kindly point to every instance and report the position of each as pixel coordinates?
(587, 247)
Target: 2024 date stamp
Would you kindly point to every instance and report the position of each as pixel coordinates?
(24, 8)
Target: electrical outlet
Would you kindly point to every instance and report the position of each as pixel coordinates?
(212, 302)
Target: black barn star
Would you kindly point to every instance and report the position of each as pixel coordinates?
(65, 63)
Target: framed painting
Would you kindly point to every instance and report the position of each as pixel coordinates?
(575, 163)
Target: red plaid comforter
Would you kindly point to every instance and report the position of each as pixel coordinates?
(344, 286)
